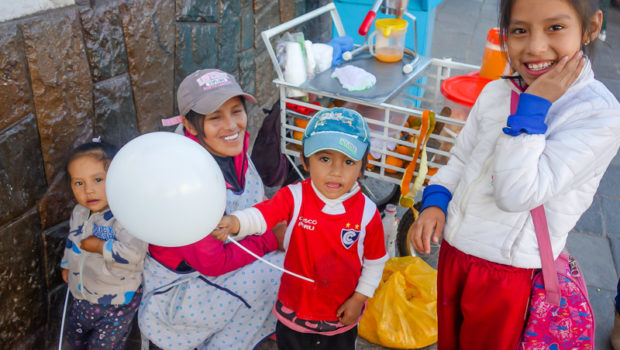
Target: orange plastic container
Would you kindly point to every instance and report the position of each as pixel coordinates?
(494, 63)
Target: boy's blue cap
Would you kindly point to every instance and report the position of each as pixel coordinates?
(339, 129)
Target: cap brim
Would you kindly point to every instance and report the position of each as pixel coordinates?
(210, 103)
(332, 141)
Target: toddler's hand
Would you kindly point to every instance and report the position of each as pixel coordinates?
(65, 275)
(553, 84)
(228, 225)
(349, 312)
(429, 224)
(92, 244)
(279, 230)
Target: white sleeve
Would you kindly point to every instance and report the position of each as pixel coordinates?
(450, 174)
(251, 221)
(372, 272)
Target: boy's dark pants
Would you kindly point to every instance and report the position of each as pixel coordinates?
(289, 339)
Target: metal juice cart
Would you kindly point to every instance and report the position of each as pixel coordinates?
(391, 109)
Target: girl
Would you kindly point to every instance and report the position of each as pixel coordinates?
(335, 236)
(552, 150)
(102, 262)
(210, 294)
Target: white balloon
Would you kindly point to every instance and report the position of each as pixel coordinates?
(166, 189)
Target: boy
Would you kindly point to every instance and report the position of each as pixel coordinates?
(334, 236)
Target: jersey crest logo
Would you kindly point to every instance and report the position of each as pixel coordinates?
(349, 237)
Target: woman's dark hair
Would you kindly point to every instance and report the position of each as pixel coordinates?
(101, 151)
(364, 160)
(197, 120)
(585, 10)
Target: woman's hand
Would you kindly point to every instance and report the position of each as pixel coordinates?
(92, 244)
(428, 225)
(279, 230)
(228, 225)
(553, 84)
(65, 275)
(349, 312)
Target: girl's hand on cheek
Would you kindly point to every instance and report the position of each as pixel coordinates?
(92, 244)
(553, 84)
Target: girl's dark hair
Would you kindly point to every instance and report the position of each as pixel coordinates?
(364, 160)
(197, 120)
(585, 10)
(102, 151)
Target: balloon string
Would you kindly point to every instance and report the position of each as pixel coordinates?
(267, 262)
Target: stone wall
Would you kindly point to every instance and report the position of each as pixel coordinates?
(106, 68)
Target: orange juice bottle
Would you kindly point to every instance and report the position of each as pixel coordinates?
(494, 63)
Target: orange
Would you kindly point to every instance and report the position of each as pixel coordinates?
(391, 160)
(404, 150)
(368, 165)
(302, 123)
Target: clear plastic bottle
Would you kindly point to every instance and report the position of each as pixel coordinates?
(390, 229)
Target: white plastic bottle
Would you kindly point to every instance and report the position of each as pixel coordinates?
(390, 229)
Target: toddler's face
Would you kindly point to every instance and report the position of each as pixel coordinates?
(333, 173)
(540, 33)
(224, 129)
(88, 182)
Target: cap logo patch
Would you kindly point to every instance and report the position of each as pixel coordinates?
(334, 116)
(213, 80)
(348, 145)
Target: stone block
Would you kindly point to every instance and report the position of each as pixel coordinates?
(22, 296)
(247, 28)
(61, 84)
(196, 48)
(247, 71)
(591, 221)
(611, 216)
(268, 17)
(259, 5)
(266, 92)
(615, 251)
(229, 41)
(57, 203)
(149, 30)
(198, 10)
(22, 178)
(594, 256)
(56, 301)
(287, 10)
(53, 249)
(115, 113)
(103, 37)
(610, 183)
(15, 92)
(603, 307)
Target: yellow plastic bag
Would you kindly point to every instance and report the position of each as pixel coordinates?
(403, 312)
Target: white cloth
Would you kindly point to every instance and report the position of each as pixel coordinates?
(354, 78)
(495, 179)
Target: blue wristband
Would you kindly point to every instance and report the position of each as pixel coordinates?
(436, 196)
(529, 117)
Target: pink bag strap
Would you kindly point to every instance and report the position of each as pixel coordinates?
(550, 275)
(552, 286)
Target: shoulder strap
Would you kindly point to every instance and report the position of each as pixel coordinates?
(552, 286)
